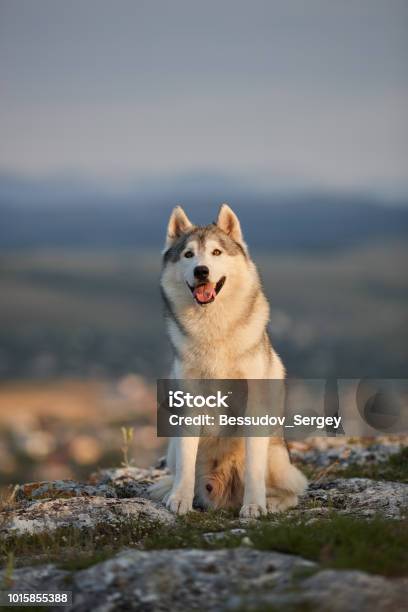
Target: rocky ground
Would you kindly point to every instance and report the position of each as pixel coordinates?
(344, 548)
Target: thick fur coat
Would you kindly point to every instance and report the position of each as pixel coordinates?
(217, 316)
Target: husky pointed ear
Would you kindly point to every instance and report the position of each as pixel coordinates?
(228, 221)
(179, 224)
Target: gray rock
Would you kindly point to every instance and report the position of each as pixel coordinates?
(236, 579)
(337, 591)
(214, 536)
(184, 579)
(80, 512)
(359, 497)
(346, 455)
(38, 578)
(356, 591)
(162, 580)
(57, 489)
(128, 482)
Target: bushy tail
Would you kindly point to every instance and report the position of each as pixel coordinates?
(283, 474)
(294, 481)
(161, 489)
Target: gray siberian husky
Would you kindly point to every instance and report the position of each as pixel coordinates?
(217, 317)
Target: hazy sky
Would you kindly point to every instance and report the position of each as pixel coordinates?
(284, 92)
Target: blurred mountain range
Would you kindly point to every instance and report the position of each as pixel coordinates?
(63, 211)
(80, 266)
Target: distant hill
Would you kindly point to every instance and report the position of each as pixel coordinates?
(71, 213)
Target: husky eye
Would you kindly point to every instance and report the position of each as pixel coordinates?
(216, 252)
(189, 254)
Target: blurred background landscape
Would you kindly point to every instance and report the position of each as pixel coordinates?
(296, 117)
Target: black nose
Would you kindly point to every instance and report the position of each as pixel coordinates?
(201, 272)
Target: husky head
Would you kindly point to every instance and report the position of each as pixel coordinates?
(203, 265)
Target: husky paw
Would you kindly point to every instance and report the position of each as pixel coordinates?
(178, 504)
(252, 511)
(280, 503)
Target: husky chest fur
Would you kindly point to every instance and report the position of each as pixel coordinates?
(215, 309)
(217, 318)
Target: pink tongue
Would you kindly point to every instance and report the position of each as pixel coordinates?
(205, 293)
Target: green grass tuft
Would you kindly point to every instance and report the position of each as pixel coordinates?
(375, 546)
(72, 548)
(378, 546)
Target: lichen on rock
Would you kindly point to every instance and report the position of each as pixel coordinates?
(80, 512)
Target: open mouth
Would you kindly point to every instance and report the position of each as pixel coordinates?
(205, 293)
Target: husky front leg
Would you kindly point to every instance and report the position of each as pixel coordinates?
(180, 499)
(256, 456)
